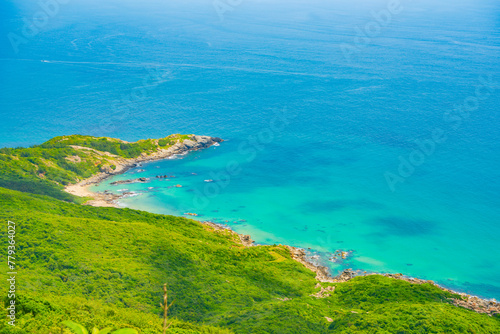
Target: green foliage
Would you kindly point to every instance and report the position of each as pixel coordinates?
(38, 186)
(163, 142)
(105, 267)
(47, 168)
(79, 329)
(37, 314)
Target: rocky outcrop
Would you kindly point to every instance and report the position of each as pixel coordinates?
(322, 273)
(476, 304)
(139, 180)
(194, 143)
(246, 240)
(344, 276)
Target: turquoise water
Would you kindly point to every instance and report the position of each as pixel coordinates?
(310, 135)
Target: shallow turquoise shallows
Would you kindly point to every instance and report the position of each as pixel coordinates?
(346, 128)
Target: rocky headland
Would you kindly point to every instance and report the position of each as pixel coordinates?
(121, 165)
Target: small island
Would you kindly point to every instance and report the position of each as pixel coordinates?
(100, 265)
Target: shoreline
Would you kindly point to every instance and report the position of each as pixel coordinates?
(81, 188)
(323, 275)
(99, 199)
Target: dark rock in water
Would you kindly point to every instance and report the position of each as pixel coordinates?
(139, 180)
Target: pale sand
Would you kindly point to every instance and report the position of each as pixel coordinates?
(97, 199)
(81, 188)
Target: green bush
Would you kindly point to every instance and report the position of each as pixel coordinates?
(105, 267)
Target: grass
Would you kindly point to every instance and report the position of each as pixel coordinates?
(47, 168)
(106, 266)
(109, 261)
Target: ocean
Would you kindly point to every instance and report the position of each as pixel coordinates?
(369, 127)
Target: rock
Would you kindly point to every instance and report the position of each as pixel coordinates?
(203, 140)
(141, 180)
(189, 143)
(246, 240)
(345, 276)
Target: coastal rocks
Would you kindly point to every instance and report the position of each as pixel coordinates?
(490, 307)
(205, 141)
(340, 255)
(345, 275)
(139, 180)
(299, 255)
(195, 143)
(189, 144)
(122, 165)
(246, 240)
(215, 226)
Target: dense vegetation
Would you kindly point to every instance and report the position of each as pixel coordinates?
(45, 169)
(105, 267)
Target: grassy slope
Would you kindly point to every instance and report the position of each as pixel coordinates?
(46, 168)
(106, 266)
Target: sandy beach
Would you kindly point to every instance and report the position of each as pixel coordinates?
(82, 188)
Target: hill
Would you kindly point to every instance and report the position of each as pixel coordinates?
(106, 267)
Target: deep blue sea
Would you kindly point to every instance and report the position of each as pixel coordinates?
(361, 126)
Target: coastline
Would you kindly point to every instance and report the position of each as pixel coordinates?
(81, 189)
(98, 199)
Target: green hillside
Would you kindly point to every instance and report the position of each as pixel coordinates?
(45, 169)
(106, 266)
